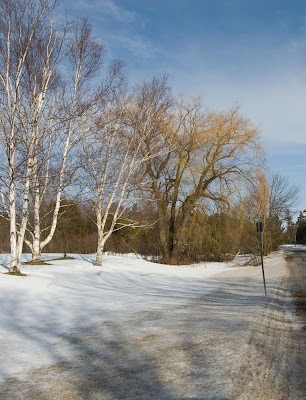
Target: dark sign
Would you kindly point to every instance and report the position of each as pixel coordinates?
(259, 226)
(259, 230)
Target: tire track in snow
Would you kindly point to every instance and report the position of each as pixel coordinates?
(273, 365)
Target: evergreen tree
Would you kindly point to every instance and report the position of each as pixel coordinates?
(301, 229)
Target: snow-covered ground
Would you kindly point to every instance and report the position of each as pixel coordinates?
(139, 330)
(66, 295)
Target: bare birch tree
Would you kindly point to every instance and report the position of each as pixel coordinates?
(43, 115)
(113, 171)
(77, 105)
(21, 23)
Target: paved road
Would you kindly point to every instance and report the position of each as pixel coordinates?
(275, 362)
(296, 259)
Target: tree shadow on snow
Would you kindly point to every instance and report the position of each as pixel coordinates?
(114, 361)
(180, 353)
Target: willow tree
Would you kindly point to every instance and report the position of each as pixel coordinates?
(208, 158)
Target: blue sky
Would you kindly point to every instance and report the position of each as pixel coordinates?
(250, 52)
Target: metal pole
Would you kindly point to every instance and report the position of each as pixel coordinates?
(262, 265)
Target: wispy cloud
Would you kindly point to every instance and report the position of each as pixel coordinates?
(296, 45)
(109, 7)
(136, 44)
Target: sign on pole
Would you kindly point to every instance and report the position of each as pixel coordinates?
(259, 230)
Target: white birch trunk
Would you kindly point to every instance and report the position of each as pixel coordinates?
(35, 247)
(13, 20)
(100, 246)
(103, 213)
(61, 175)
(14, 267)
(37, 244)
(99, 255)
(36, 250)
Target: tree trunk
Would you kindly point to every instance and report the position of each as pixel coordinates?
(36, 252)
(14, 264)
(36, 245)
(65, 245)
(14, 267)
(99, 255)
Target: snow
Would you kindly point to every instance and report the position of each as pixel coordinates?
(294, 246)
(138, 330)
(73, 293)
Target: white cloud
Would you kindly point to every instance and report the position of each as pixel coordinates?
(136, 44)
(108, 7)
(296, 45)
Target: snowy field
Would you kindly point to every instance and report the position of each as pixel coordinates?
(70, 294)
(136, 330)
